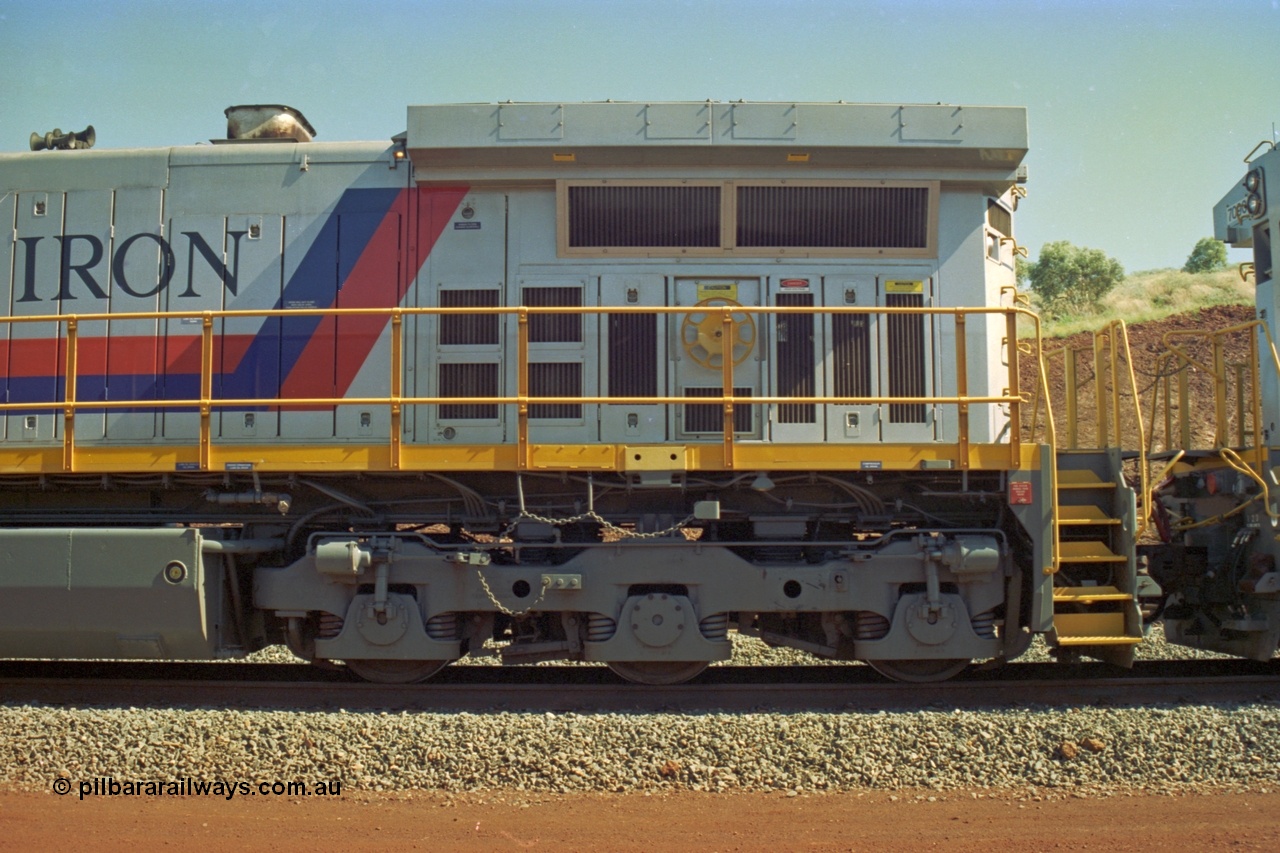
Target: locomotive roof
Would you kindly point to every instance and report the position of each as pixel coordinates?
(690, 139)
(701, 133)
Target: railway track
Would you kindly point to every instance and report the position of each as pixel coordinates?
(587, 689)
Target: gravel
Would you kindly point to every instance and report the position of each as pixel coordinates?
(1067, 750)
(1052, 752)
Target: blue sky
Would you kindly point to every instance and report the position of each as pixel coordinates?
(1140, 111)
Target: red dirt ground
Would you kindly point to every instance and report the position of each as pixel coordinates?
(686, 821)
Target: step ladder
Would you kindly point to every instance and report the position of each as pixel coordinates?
(1095, 605)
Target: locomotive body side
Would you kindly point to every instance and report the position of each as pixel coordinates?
(403, 400)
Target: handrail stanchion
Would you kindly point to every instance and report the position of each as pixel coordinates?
(1015, 390)
(1144, 474)
(1219, 393)
(206, 390)
(69, 397)
(397, 385)
(962, 391)
(728, 338)
(522, 390)
(1071, 380)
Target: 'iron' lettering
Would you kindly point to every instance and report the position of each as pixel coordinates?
(82, 255)
(166, 265)
(82, 270)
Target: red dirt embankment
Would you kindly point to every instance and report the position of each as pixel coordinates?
(1147, 351)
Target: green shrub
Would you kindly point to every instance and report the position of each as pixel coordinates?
(1067, 277)
(1209, 255)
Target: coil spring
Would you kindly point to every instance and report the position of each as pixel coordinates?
(600, 628)
(443, 626)
(330, 626)
(984, 625)
(869, 625)
(715, 627)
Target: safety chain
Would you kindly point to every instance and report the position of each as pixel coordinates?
(592, 515)
(546, 584)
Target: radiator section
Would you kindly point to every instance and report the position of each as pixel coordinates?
(906, 357)
(472, 328)
(851, 354)
(468, 380)
(833, 217)
(795, 359)
(629, 216)
(709, 417)
(555, 379)
(554, 328)
(633, 355)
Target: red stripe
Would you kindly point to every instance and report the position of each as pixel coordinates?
(378, 280)
(127, 355)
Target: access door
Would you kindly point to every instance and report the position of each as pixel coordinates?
(701, 342)
(460, 354)
(138, 284)
(633, 358)
(34, 361)
(906, 357)
(851, 363)
(558, 362)
(796, 343)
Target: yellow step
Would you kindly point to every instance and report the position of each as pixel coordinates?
(1088, 594)
(1092, 629)
(1088, 552)
(1082, 479)
(1086, 514)
(1099, 641)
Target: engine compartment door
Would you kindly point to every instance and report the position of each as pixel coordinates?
(700, 342)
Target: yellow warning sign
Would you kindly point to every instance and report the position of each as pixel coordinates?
(901, 286)
(717, 289)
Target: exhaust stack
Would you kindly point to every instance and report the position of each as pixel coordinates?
(275, 122)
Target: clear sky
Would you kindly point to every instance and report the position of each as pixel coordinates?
(1141, 111)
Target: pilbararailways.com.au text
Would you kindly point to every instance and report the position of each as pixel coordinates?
(227, 789)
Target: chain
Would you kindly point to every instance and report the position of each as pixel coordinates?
(546, 584)
(592, 515)
(589, 515)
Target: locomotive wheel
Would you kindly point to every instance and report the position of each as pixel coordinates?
(396, 671)
(920, 671)
(658, 673)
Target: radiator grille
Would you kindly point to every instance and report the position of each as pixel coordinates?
(709, 417)
(468, 380)
(628, 216)
(833, 217)
(469, 329)
(906, 358)
(554, 328)
(851, 351)
(998, 218)
(633, 355)
(795, 359)
(553, 379)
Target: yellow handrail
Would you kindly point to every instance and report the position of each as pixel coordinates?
(396, 400)
(1252, 459)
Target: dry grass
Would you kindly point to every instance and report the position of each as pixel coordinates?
(1153, 295)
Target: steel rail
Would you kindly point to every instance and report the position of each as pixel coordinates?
(848, 688)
